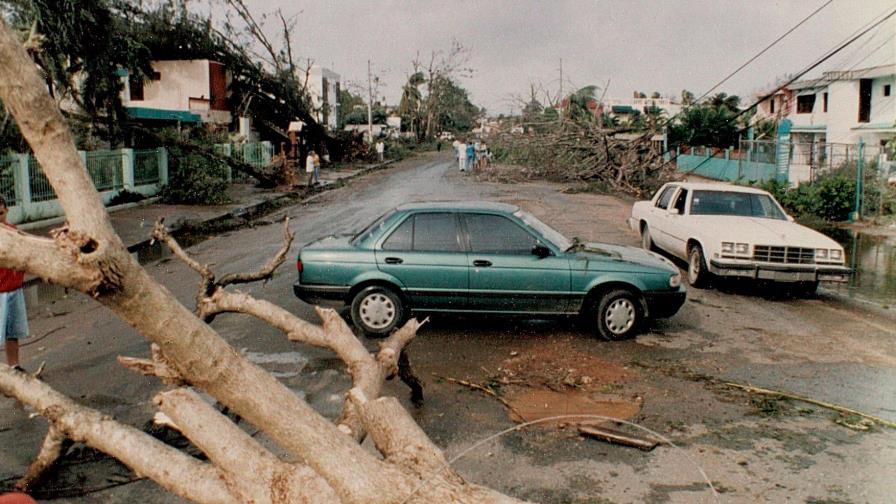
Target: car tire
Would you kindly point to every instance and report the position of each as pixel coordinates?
(619, 315)
(647, 240)
(698, 274)
(377, 310)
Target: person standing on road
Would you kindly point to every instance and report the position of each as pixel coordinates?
(316, 172)
(471, 156)
(310, 167)
(462, 156)
(13, 316)
(380, 149)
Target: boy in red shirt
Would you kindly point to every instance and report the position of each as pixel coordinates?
(13, 317)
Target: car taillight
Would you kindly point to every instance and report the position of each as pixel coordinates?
(299, 266)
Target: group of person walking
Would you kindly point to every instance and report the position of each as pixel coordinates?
(471, 154)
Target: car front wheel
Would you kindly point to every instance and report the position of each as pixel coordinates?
(377, 310)
(619, 315)
(646, 239)
(698, 274)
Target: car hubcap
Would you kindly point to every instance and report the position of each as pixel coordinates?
(377, 311)
(620, 316)
(694, 269)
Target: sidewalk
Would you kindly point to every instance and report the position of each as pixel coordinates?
(133, 222)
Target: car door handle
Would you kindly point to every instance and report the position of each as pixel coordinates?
(394, 260)
(482, 263)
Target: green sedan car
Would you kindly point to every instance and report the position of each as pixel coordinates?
(491, 258)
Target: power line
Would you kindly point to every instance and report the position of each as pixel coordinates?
(763, 51)
(830, 54)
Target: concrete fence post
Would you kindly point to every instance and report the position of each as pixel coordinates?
(127, 168)
(22, 182)
(163, 166)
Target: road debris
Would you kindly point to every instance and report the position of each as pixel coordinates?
(482, 388)
(617, 437)
(834, 407)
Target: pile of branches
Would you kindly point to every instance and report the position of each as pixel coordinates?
(581, 151)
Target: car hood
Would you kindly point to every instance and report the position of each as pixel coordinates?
(758, 231)
(622, 253)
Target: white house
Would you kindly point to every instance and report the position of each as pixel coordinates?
(323, 87)
(179, 90)
(840, 107)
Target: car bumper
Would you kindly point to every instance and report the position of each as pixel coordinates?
(664, 304)
(781, 272)
(321, 294)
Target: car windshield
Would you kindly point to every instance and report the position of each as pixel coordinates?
(735, 203)
(547, 232)
(374, 227)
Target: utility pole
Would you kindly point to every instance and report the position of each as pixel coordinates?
(560, 115)
(369, 105)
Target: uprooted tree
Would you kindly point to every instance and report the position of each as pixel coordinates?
(325, 460)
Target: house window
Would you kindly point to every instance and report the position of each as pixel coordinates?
(824, 102)
(135, 83)
(886, 90)
(805, 103)
(864, 100)
(155, 76)
(771, 105)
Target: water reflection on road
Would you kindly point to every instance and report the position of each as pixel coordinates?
(873, 260)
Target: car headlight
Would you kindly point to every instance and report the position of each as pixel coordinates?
(727, 247)
(836, 255)
(821, 254)
(742, 248)
(675, 280)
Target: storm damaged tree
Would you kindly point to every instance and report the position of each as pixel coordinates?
(438, 78)
(324, 461)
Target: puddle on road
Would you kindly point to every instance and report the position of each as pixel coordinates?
(535, 404)
(873, 261)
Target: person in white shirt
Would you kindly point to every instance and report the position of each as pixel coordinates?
(462, 156)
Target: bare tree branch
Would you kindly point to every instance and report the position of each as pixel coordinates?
(174, 470)
(49, 453)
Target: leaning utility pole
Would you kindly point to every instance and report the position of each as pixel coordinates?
(560, 115)
(369, 105)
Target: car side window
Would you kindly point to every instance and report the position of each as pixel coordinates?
(494, 234)
(680, 201)
(402, 237)
(663, 201)
(435, 232)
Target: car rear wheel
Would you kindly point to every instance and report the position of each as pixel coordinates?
(619, 315)
(698, 274)
(377, 310)
(646, 239)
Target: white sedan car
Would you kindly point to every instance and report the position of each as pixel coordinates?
(735, 231)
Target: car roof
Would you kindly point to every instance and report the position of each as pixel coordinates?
(459, 205)
(710, 186)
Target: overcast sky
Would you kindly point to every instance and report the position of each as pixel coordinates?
(660, 45)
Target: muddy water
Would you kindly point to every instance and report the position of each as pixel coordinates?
(535, 404)
(873, 260)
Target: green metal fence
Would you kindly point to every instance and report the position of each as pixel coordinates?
(41, 190)
(105, 169)
(146, 166)
(8, 179)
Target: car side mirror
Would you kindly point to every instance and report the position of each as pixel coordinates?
(540, 250)
(790, 218)
(672, 210)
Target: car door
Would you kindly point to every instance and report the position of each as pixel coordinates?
(659, 218)
(676, 225)
(505, 276)
(425, 254)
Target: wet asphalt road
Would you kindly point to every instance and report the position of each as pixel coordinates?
(815, 347)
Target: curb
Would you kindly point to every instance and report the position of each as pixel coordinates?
(59, 220)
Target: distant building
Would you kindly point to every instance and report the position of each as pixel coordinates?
(323, 87)
(839, 107)
(623, 107)
(179, 90)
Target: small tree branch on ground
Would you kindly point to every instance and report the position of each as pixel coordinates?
(50, 451)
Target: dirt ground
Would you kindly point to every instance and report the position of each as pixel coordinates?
(483, 376)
